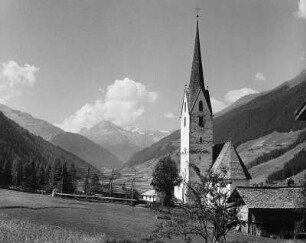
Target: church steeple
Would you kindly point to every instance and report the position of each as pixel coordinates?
(197, 77)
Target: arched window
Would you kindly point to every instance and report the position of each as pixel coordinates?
(184, 121)
(200, 105)
(201, 123)
(185, 106)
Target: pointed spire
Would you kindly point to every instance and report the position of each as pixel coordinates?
(197, 77)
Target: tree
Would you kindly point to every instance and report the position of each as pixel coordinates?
(6, 176)
(17, 170)
(29, 175)
(48, 178)
(40, 176)
(165, 177)
(62, 178)
(208, 208)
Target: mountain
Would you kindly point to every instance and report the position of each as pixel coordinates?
(123, 142)
(261, 126)
(73, 143)
(87, 150)
(242, 101)
(165, 146)
(16, 142)
(34, 125)
(270, 111)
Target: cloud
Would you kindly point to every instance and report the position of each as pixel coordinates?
(170, 115)
(14, 78)
(301, 13)
(124, 103)
(217, 105)
(234, 95)
(260, 77)
(303, 56)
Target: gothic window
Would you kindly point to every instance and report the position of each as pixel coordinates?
(184, 106)
(201, 123)
(184, 121)
(200, 105)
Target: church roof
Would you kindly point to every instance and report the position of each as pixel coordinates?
(229, 159)
(197, 78)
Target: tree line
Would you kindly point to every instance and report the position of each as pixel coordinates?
(277, 152)
(292, 167)
(30, 174)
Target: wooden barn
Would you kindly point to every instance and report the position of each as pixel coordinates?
(300, 114)
(271, 211)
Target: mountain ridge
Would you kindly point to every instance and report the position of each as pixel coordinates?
(18, 142)
(74, 143)
(122, 141)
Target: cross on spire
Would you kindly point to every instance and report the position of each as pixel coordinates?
(197, 9)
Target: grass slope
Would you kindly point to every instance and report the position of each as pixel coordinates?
(41, 218)
(16, 231)
(261, 172)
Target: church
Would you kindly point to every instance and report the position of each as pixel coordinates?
(196, 142)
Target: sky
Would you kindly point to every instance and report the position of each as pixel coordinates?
(75, 63)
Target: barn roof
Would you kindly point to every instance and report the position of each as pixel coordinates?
(229, 159)
(271, 197)
(300, 113)
(149, 193)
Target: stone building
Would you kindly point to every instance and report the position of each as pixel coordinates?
(196, 124)
(197, 134)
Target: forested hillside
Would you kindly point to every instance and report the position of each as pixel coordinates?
(161, 148)
(74, 143)
(272, 111)
(30, 162)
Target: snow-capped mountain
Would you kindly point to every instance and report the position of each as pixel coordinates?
(122, 141)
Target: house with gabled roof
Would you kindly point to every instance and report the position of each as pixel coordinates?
(266, 211)
(229, 165)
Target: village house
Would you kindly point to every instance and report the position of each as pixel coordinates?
(149, 196)
(270, 211)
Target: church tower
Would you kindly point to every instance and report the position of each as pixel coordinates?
(196, 125)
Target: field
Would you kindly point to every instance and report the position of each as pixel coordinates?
(76, 221)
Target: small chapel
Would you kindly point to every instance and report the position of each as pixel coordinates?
(196, 140)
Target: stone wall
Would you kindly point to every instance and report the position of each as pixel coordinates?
(201, 138)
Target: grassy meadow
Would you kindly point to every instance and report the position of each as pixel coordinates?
(26, 217)
(16, 230)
